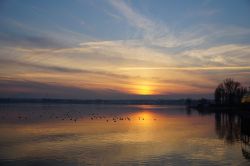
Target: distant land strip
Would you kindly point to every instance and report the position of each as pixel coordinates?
(92, 101)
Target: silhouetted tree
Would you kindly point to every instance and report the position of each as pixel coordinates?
(229, 92)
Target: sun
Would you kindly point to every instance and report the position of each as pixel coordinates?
(143, 88)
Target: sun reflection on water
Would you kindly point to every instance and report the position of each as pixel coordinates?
(145, 118)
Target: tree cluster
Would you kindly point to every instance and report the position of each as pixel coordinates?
(229, 92)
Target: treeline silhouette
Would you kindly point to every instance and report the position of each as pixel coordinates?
(229, 92)
(229, 95)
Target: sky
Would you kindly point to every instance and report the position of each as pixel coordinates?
(122, 49)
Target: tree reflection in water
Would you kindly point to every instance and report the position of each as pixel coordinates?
(245, 137)
(234, 128)
(228, 127)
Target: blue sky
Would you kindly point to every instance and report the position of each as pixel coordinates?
(116, 48)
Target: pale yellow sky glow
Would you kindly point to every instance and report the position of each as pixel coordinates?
(99, 67)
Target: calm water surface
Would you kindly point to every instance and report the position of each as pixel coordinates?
(34, 134)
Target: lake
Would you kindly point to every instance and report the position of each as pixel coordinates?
(68, 134)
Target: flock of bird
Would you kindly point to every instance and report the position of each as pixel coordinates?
(94, 116)
(72, 116)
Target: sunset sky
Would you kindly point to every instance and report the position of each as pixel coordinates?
(114, 49)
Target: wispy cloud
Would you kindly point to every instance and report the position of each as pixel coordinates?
(115, 16)
(30, 36)
(159, 34)
(189, 68)
(203, 12)
(133, 17)
(226, 55)
(30, 89)
(29, 41)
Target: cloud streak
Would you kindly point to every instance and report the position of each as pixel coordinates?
(29, 41)
(189, 68)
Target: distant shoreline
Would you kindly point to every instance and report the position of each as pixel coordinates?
(92, 101)
(241, 109)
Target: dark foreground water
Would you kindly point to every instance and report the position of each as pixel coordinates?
(34, 134)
